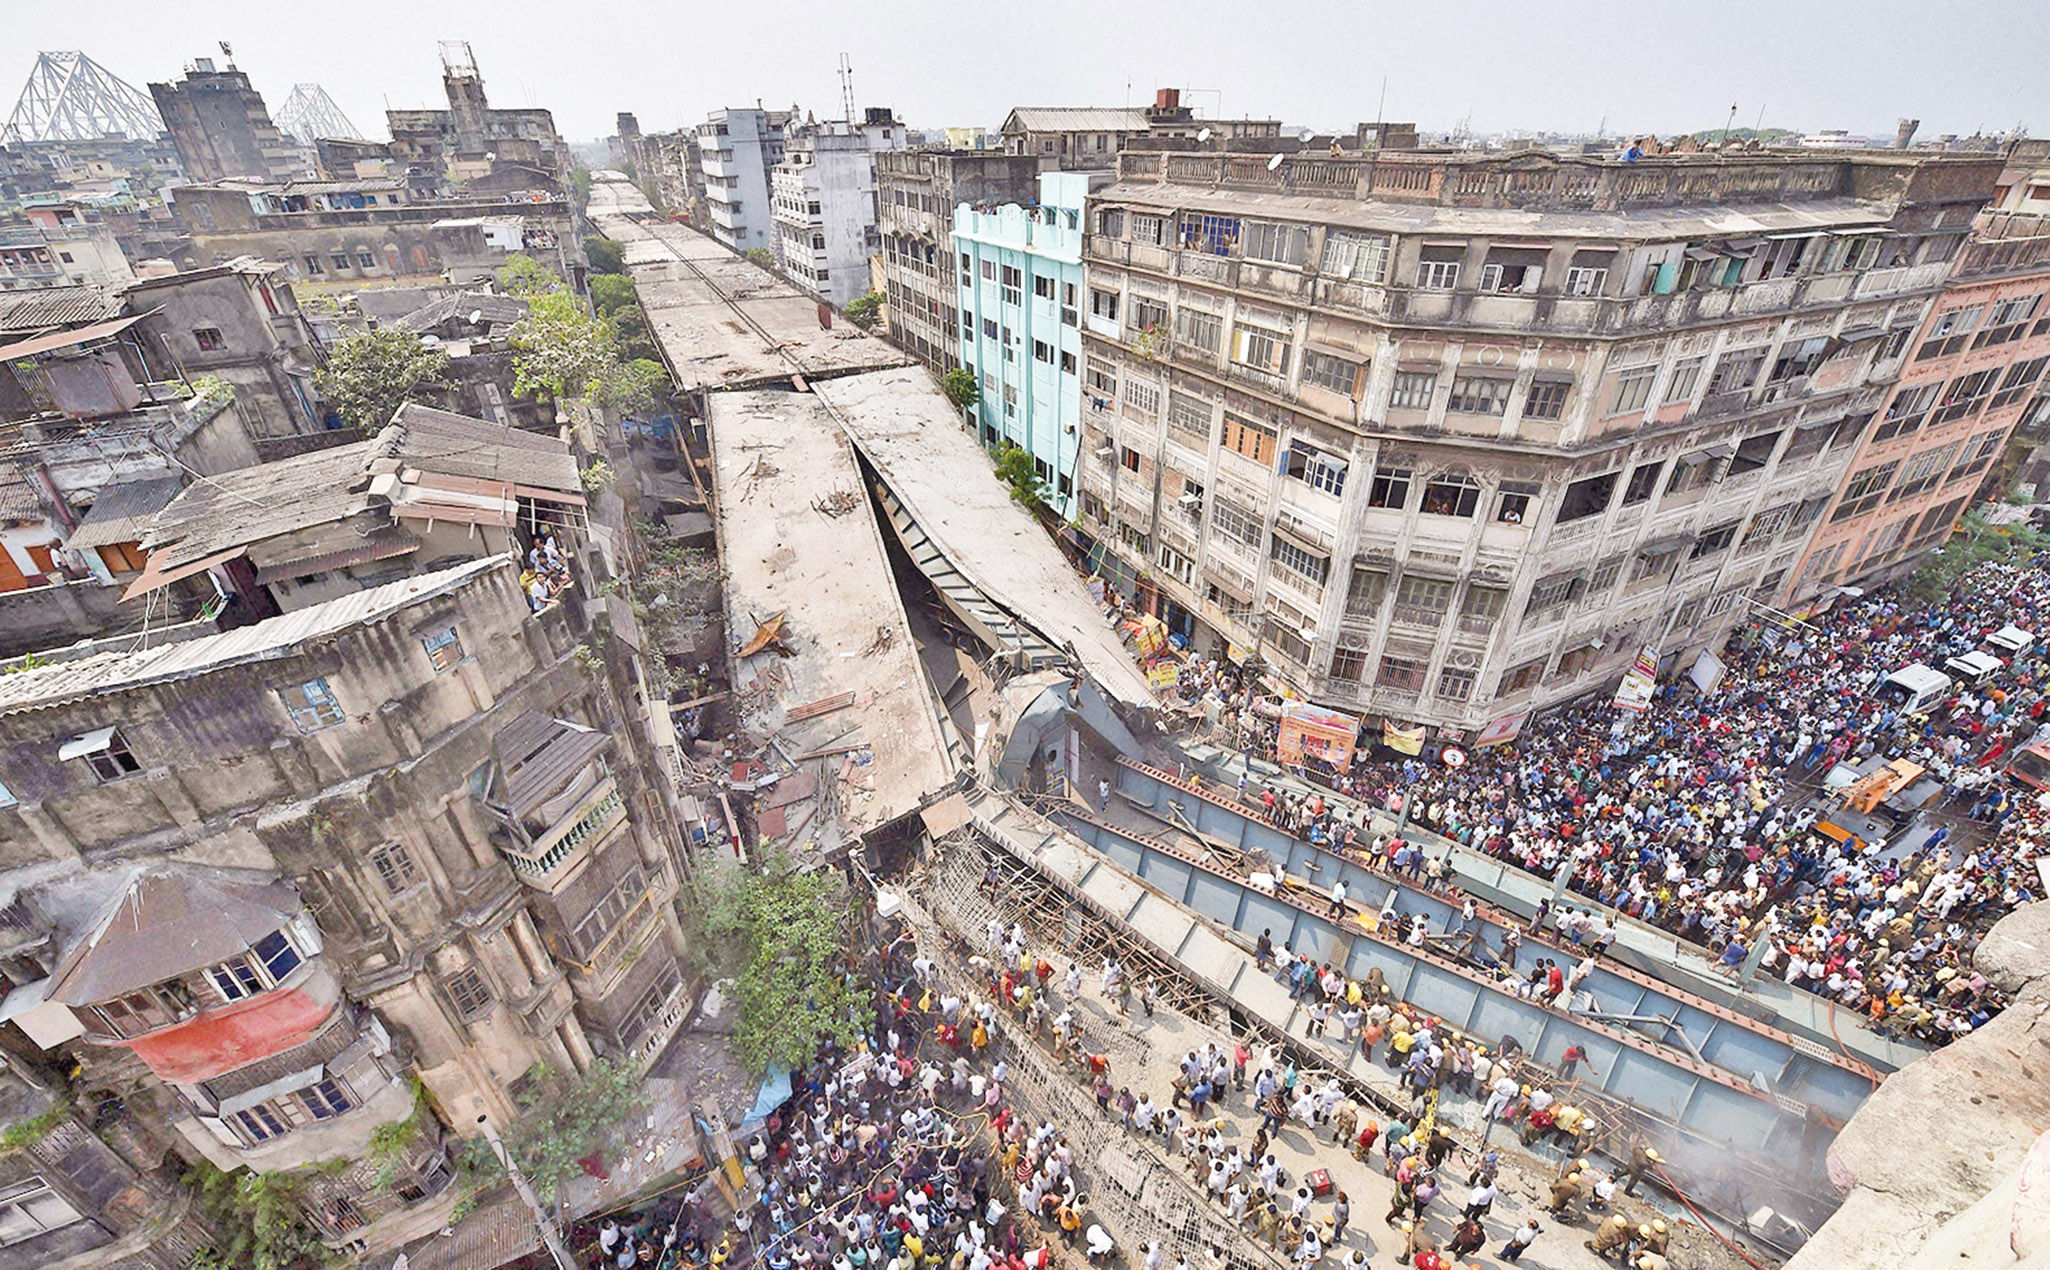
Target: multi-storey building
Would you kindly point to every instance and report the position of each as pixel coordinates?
(1453, 436)
(1020, 295)
(222, 129)
(1971, 377)
(1088, 138)
(486, 148)
(916, 193)
(824, 198)
(268, 873)
(737, 150)
(240, 323)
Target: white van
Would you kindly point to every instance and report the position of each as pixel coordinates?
(1974, 668)
(2010, 640)
(1915, 688)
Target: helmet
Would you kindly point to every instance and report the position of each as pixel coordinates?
(1644, 1232)
(1583, 1163)
(1619, 1220)
(1408, 1226)
(1526, 1089)
(1573, 1178)
(1651, 1153)
(1645, 1262)
(1659, 1226)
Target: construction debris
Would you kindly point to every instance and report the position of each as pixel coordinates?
(824, 705)
(885, 639)
(838, 503)
(766, 634)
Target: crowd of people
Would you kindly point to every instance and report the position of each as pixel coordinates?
(910, 1153)
(1700, 814)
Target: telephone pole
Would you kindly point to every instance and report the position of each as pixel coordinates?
(551, 1238)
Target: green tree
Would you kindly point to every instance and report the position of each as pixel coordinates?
(259, 1217)
(633, 388)
(783, 934)
(1014, 468)
(611, 292)
(564, 1117)
(605, 255)
(961, 388)
(558, 349)
(636, 338)
(369, 375)
(523, 275)
(761, 256)
(863, 310)
(1974, 542)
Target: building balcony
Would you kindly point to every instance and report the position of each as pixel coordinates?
(600, 811)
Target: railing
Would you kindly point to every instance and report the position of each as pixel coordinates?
(598, 818)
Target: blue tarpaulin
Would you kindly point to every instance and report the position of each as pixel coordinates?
(775, 1089)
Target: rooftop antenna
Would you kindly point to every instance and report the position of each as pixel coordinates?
(228, 54)
(846, 88)
(1730, 123)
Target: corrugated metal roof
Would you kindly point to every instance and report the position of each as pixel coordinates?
(123, 512)
(56, 306)
(499, 310)
(172, 918)
(112, 672)
(1077, 119)
(66, 339)
(18, 499)
(253, 503)
(457, 445)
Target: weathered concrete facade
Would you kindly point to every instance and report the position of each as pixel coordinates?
(916, 193)
(1452, 437)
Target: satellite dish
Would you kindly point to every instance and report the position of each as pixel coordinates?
(476, 316)
(1274, 163)
(1203, 135)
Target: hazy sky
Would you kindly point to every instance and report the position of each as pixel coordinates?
(1565, 65)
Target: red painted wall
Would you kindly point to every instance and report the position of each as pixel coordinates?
(221, 1040)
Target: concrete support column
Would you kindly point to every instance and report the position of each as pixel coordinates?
(571, 1033)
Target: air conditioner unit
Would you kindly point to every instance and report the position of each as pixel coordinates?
(1105, 451)
(1191, 500)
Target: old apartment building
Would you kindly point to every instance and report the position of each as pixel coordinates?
(916, 194)
(1088, 138)
(222, 129)
(486, 148)
(263, 876)
(737, 149)
(1449, 437)
(1972, 376)
(822, 198)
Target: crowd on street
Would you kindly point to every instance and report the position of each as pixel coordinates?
(1700, 814)
(910, 1153)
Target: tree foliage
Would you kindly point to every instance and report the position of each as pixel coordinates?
(1975, 542)
(611, 292)
(369, 375)
(260, 1219)
(523, 275)
(606, 256)
(632, 388)
(560, 350)
(1014, 468)
(564, 1117)
(761, 256)
(784, 935)
(961, 388)
(863, 310)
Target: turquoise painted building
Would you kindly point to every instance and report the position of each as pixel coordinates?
(1021, 335)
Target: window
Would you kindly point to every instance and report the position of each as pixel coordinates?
(1550, 593)
(1142, 397)
(1512, 504)
(1437, 275)
(1302, 563)
(30, 1207)
(1335, 373)
(1521, 678)
(1243, 436)
(1655, 562)
(989, 328)
(1235, 522)
(105, 753)
(1479, 395)
(236, 978)
(1042, 352)
(1128, 458)
(1068, 308)
(1277, 244)
(1401, 672)
(1736, 371)
(340, 260)
(1103, 304)
(325, 1099)
(611, 908)
(1983, 448)
(467, 988)
(260, 1123)
(989, 271)
(1213, 235)
(395, 867)
(1315, 468)
(1146, 229)
(1909, 407)
(1198, 330)
(1753, 453)
(1798, 359)
(1633, 389)
(311, 705)
(1413, 390)
(1452, 494)
(1965, 395)
(444, 648)
(278, 956)
(1686, 374)
(646, 1011)
(7, 798)
(1349, 664)
(1547, 399)
(1389, 488)
(1581, 280)
(1148, 315)
(1110, 222)
(1586, 497)
(1013, 285)
(1259, 348)
(1355, 257)
(1455, 684)
(1713, 541)
(209, 339)
(313, 268)
(1864, 492)
(1067, 363)
(1644, 482)
(2021, 377)
(1924, 472)
(1042, 287)
(365, 260)
(1363, 592)
(1604, 575)
(1783, 256)
(2008, 320)
(1189, 414)
(1481, 605)
(1422, 601)
(1766, 525)
(1181, 566)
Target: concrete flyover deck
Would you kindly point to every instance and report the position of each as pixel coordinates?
(1201, 918)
